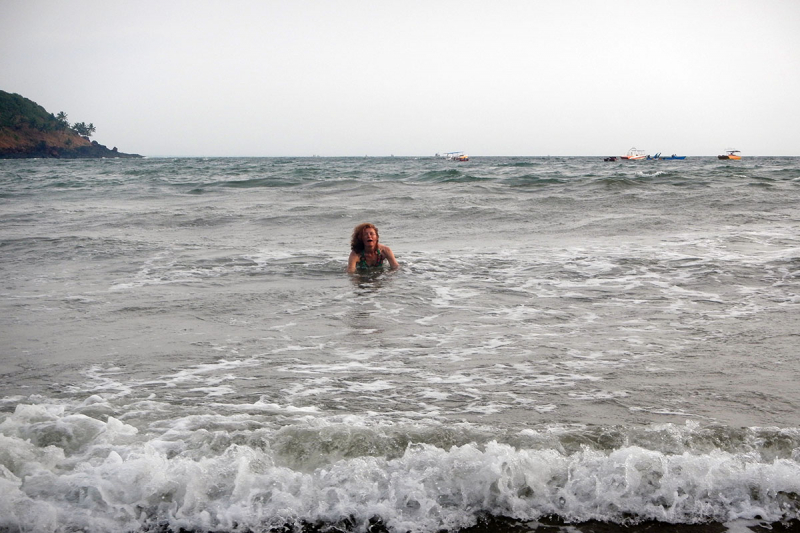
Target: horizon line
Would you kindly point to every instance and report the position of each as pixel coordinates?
(389, 156)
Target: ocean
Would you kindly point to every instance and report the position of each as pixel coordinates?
(569, 345)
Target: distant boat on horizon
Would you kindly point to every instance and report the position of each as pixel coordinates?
(455, 156)
(633, 154)
(731, 154)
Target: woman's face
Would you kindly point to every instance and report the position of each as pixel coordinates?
(370, 238)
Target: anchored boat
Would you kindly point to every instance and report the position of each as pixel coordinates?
(633, 153)
(456, 156)
(730, 154)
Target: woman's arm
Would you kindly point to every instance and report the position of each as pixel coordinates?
(351, 262)
(390, 256)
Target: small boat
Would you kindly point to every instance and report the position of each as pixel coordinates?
(612, 158)
(730, 154)
(633, 153)
(657, 156)
(673, 157)
(456, 156)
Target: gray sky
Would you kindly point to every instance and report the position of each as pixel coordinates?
(348, 77)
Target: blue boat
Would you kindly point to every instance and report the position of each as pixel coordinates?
(673, 156)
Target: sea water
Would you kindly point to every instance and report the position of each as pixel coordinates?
(569, 344)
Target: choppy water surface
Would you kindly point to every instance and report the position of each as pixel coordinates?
(568, 342)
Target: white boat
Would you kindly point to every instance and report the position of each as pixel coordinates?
(633, 153)
(456, 156)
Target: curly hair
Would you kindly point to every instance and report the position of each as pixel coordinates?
(357, 242)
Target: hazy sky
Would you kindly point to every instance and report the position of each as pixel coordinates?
(347, 77)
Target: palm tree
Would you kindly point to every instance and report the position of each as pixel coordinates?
(82, 129)
(62, 120)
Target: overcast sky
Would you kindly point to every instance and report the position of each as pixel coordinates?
(353, 78)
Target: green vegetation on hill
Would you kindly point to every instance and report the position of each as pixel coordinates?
(17, 112)
(28, 130)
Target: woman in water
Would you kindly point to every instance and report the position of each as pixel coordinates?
(366, 252)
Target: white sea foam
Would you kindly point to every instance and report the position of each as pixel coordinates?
(426, 321)
(105, 476)
(374, 386)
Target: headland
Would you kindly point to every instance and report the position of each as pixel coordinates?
(28, 130)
